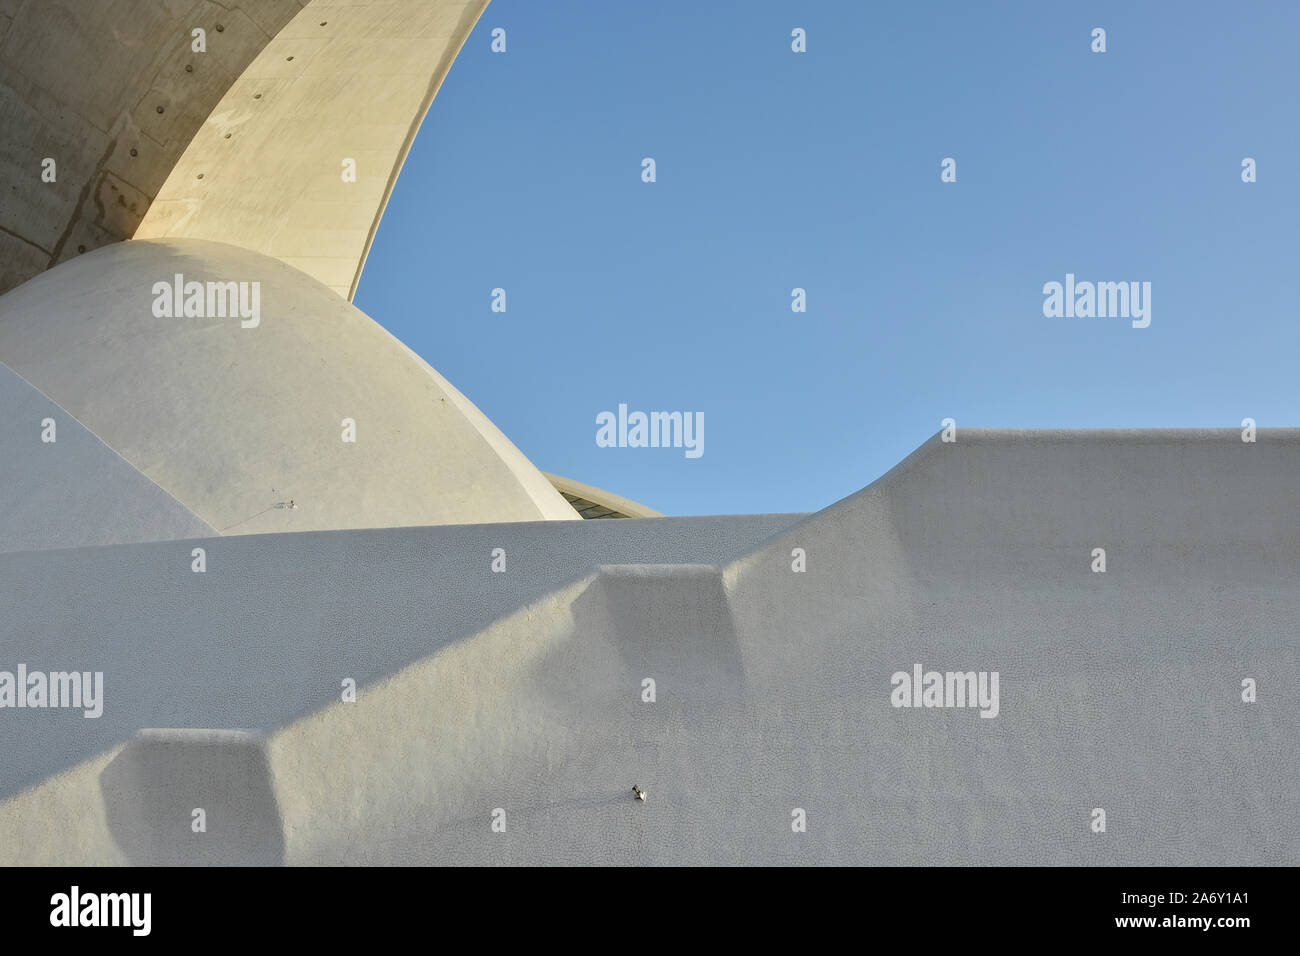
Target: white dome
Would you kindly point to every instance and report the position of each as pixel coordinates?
(235, 422)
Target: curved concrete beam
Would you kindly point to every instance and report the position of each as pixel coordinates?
(112, 91)
(341, 82)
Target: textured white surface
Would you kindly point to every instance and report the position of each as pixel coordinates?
(522, 690)
(113, 91)
(237, 422)
(73, 491)
(341, 81)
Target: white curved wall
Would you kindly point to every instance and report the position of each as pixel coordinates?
(236, 422)
(523, 690)
(73, 490)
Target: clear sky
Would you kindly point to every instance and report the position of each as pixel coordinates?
(821, 170)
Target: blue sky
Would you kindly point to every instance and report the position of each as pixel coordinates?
(821, 170)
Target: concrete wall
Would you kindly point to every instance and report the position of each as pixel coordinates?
(1118, 690)
(266, 634)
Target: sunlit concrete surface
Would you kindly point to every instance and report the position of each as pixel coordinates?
(524, 690)
(237, 422)
(344, 80)
(514, 674)
(242, 142)
(113, 92)
(61, 487)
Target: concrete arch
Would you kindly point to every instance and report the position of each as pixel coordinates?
(73, 491)
(229, 144)
(113, 92)
(341, 81)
